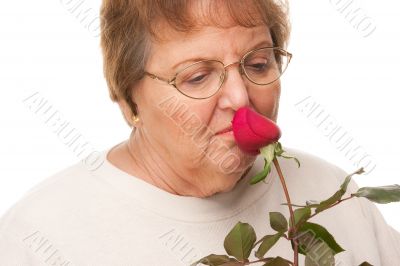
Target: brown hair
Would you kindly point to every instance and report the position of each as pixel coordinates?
(128, 26)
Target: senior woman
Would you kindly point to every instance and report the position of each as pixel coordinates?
(170, 193)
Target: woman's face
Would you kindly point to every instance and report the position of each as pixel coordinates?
(182, 130)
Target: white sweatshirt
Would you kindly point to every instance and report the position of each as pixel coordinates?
(108, 217)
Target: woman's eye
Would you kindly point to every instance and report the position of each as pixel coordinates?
(258, 66)
(197, 78)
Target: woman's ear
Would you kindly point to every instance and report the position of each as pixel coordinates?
(132, 119)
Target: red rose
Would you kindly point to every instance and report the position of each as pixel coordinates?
(253, 131)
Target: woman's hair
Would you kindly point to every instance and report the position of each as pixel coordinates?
(129, 26)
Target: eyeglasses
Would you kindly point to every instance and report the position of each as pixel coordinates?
(203, 79)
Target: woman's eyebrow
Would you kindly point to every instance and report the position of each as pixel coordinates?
(265, 43)
(180, 65)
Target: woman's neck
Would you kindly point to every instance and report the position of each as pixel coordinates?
(138, 157)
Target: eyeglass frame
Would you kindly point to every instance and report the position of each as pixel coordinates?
(222, 78)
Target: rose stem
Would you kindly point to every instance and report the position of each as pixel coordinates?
(278, 169)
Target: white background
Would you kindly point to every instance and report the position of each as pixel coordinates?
(354, 78)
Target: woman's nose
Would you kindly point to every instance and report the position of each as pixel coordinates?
(233, 89)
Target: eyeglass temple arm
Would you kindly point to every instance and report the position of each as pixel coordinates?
(286, 53)
(171, 82)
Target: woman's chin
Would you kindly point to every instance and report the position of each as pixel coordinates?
(220, 186)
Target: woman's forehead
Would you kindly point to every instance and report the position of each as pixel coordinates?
(207, 43)
(171, 35)
(206, 29)
(196, 15)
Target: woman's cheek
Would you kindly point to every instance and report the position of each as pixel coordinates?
(267, 102)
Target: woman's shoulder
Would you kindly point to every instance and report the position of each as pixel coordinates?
(311, 165)
(316, 178)
(52, 193)
(69, 174)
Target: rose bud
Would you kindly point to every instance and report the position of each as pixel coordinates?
(253, 131)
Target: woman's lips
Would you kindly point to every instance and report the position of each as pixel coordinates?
(228, 129)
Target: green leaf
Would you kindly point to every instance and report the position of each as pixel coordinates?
(343, 187)
(312, 203)
(278, 149)
(309, 233)
(320, 255)
(261, 175)
(384, 194)
(308, 204)
(278, 222)
(301, 215)
(214, 260)
(323, 205)
(347, 180)
(278, 261)
(304, 240)
(268, 152)
(279, 152)
(365, 264)
(239, 242)
(292, 157)
(267, 243)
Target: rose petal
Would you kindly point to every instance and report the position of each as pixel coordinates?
(253, 131)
